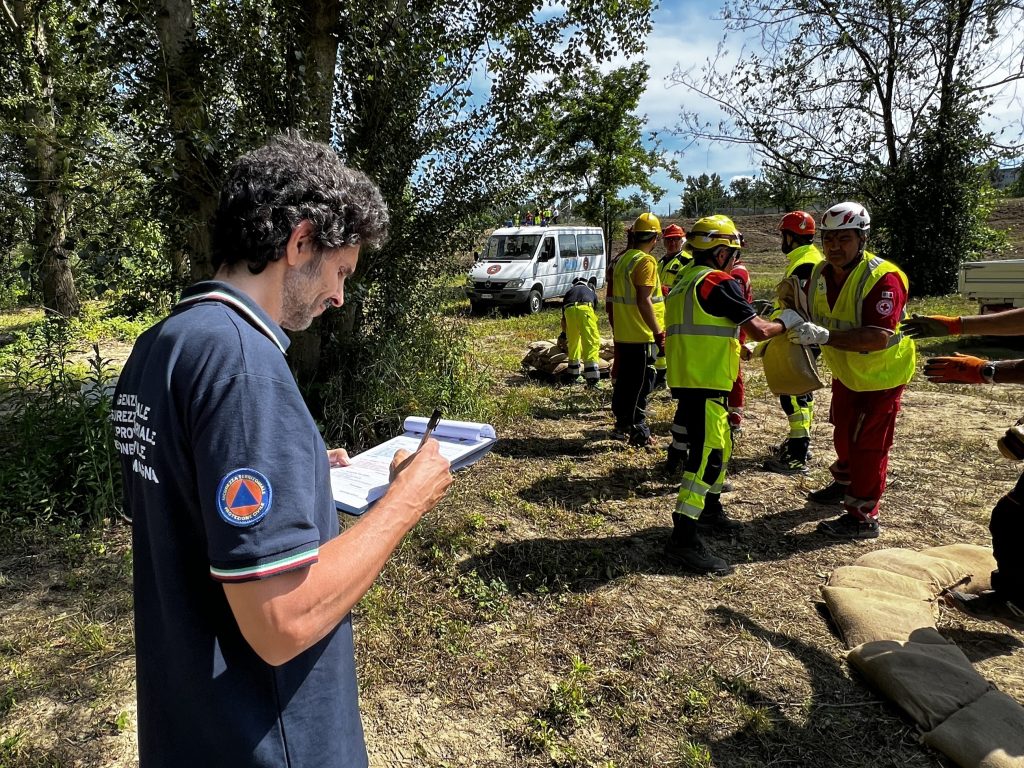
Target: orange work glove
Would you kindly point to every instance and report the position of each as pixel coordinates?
(956, 369)
(930, 326)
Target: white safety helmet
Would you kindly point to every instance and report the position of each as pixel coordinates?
(845, 216)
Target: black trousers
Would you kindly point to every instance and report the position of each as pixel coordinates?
(1007, 529)
(633, 386)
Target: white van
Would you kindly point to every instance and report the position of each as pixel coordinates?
(527, 265)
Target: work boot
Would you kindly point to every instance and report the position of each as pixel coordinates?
(714, 518)
(784, 464)
(987, 606)
(830, 494)
(849, 526)
(686, 548)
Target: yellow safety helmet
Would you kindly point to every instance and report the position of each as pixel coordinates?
(711, 232)
(646, 222)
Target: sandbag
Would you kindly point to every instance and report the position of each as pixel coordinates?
(988, 733)
(866, 615)
(928, 681)
(937, 571)
(790, 369)
(859, 577)
(977, 560)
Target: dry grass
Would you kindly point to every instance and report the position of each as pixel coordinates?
(531, 620)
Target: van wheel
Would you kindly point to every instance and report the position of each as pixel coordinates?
(534, 302)
(478, 307)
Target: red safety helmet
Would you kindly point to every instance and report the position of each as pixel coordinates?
(797, 222)
(673, 230)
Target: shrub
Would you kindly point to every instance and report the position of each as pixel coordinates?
(57, 460)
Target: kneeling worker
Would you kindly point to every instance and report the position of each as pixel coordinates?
(1005, 602)
(582, 336)
(706, 309)
(857, 302)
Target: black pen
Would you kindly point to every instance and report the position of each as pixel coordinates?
(435, 417)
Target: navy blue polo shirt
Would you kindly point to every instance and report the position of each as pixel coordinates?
(227, 480)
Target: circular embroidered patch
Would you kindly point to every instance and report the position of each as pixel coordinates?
(884, 307)
(244, 497)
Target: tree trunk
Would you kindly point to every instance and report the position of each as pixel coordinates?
(43, 165)
(321, 55)
(197, 183)
(320, 52)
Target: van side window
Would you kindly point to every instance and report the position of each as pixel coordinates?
(548, 251)
(591, 245)
(567, 246)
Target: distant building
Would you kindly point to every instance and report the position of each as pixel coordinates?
(1005, 177)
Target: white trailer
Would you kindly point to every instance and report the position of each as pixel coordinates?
(995, 285)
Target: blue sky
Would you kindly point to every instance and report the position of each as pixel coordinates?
(686, 33)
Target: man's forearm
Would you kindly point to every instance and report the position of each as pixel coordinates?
(759, 329)
(1009, 323)
(859, 339)
(646, 308)
(1008, 372)
(282, 616)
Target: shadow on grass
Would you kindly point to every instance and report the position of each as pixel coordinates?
(547, 447)
(583, 564)
(979, 645)
(838, 724)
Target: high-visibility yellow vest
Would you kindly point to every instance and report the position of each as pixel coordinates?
(861, 371)
(669, 270)
(629, 326)
(703, 350)
(805, 254)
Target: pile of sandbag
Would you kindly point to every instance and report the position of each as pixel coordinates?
(885, 606)
(548, 357)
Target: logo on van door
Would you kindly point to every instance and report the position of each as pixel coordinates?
(494, 269)
(586, 262)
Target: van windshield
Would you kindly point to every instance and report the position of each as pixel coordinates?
(511, 247)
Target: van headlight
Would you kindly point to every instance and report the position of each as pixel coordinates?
(514, 283)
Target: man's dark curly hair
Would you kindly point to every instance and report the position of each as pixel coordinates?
(273, 188)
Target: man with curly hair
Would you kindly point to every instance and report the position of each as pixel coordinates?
(243, 582)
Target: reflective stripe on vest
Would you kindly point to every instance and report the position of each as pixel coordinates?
(703, 350)
(668, 271)
(628, 325)
(886, 368)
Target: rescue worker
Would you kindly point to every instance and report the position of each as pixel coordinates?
(546, 216)
(639, 337)
(737, 395)
(669, 266)
(706, 309)
(609, 291)
(797, 233)
(857, 304)
(1005, 601)
(582, 335)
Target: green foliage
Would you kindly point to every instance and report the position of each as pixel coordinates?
(590, 144)
(14, 286)
(57, 460)
(703, 194)
(407, 356)
(932, 210)
(1017, 188)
